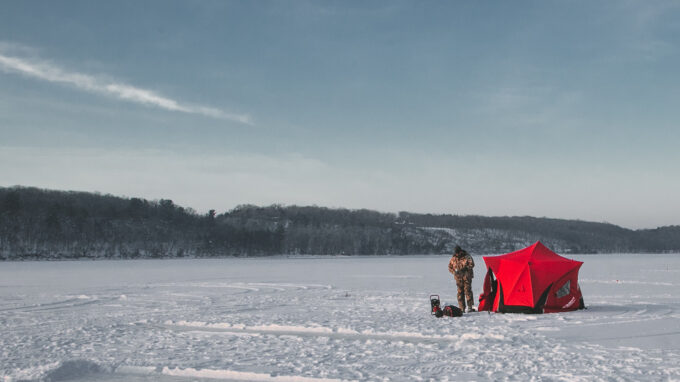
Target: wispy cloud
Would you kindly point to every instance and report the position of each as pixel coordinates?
(52, 73)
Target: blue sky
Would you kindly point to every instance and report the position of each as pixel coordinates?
(545, 108)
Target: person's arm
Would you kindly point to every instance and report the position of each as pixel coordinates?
(469, 263)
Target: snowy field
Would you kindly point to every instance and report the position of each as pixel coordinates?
(326, 319)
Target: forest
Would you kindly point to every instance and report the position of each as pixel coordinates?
(49, 224)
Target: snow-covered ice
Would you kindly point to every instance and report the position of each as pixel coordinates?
(326, 319)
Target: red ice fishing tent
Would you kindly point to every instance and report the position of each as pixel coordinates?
(531, 280)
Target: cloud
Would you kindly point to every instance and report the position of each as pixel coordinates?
(48, 72)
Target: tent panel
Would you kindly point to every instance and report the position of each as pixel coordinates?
(520, 290)
(571, 300)
(488, 295)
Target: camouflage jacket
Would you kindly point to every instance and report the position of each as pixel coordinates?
(462, 264)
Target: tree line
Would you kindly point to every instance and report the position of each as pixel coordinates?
(47, 224)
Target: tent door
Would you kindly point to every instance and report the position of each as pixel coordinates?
(523, 309)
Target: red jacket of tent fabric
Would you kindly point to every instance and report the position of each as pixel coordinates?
(531, 280)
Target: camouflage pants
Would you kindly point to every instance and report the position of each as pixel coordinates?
(464, 285)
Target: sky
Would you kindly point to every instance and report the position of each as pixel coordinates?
(561, 109)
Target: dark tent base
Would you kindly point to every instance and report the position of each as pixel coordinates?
(502, 308)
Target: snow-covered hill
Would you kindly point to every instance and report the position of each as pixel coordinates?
(44, 224)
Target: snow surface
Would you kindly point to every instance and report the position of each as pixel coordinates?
(326, 319)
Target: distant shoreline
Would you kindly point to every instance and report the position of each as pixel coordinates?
(307, 257)
(37, 224)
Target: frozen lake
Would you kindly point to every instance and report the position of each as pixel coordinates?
(326, 319)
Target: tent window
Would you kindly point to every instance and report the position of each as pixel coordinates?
(564, 290)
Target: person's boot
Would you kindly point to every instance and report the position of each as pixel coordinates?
(470, 306)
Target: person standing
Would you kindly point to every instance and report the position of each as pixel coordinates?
(461, 266)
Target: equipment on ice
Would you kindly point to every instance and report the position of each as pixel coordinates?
(448, 310)
(434, 304)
